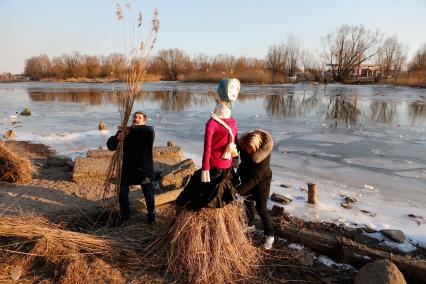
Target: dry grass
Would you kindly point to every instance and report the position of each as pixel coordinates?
(416, 79)
(35, 227)
(247, 76)
(12, 167)
(208, 246)
(47, 252)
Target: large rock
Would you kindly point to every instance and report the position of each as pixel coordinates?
(280, 198)
(168, 155)
(395, 235)
(9, 134)
(380, 272)
(100, 153)
(164, 197)
(90, 170)
(25, 112)
(93, 168)
(177, 175)
(102, 126)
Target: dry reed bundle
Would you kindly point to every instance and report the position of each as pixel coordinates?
(29, 228)
(136, 60)
(48, 251)
(12, 167)
(46, 260)
(209, 246)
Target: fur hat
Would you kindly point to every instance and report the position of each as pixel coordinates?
(228, 89)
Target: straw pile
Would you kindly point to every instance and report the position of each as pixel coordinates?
(12, 167)
(34, 246)
(209, 246)
(31, 228)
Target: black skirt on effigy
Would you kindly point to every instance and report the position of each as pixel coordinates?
(214, 194)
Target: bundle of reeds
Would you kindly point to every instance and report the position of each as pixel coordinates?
(31, 228)
(136, 56)
(208, 246)
(12, 167)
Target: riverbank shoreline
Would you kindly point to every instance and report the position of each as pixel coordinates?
(53, 191)
(353, 82)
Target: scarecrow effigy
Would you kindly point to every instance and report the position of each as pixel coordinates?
(206, 242)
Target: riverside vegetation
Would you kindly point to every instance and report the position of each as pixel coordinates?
(345, 50)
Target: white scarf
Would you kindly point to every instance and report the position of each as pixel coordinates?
(231, 148)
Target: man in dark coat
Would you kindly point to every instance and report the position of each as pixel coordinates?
(256, 175)
(138, 164)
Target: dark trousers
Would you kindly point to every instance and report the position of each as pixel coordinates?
(123, 198)
(256, 200)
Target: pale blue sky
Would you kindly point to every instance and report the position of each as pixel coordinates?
(240, 27)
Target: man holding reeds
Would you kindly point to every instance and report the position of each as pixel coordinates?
(138, 164)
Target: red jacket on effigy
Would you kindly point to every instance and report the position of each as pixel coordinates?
(216, 138)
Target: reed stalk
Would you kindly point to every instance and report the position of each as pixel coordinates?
(136, 55)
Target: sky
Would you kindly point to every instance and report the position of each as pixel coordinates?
(233, 27)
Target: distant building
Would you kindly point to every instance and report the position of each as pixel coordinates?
(361, 71)
(369, 71)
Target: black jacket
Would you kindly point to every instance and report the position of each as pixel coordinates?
(254, 168)
(138, 163)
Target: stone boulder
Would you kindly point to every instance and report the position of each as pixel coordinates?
(280, 198)
(168, 155)
(9, 134)
(93, 168)
(177, 175)
(380, 272)
(100, 153)
(395, 235)
(90, 170)
(25, 112)
(102, 126)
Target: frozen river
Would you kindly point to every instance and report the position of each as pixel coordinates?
(368, 142)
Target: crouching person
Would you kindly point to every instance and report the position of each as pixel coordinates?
(138, 164)
(256, 175)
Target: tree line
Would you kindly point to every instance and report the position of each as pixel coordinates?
(342, 52)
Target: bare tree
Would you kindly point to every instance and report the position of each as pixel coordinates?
(293, 54)
(59, 67)
(117, 64)
(276, 60)
(349, 46)
(201, 62)
(418, 62)
(173, 63)
(241, 64)
(93, 66)
(223, 63)
(74, 65)
(310, 65)
(37, 67)
(391, 57)
(256, 63)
